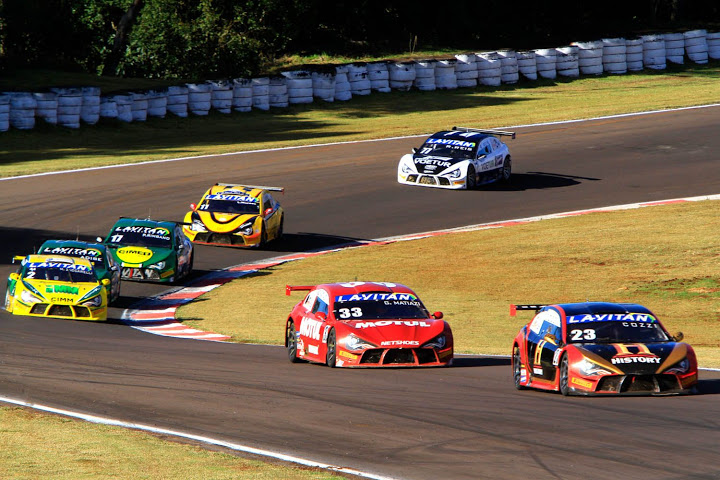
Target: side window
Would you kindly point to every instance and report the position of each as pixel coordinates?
(487, 147)
(496, 143)
(267, 203)
(320, 306)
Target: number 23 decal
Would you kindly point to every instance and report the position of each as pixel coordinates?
(350, 312)
(587, 334)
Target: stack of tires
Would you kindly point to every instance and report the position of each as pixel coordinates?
(526, 64)
(323, 85)
(445, 78)
(22, 110)
(199, 98)
(696, 46)
(379, 77)
(261, 93)
(402, 75)
(674, 48)
(424, 75)
(108, 108)
(243, 95)
(4, 112)
(358, 77)
(278, 92)
(489, 68)
(139, 106)
(566, 61)
(177, 100)
(157, 103)
(69, 106)
(124, 104)
(654, 52)
(713, 43)
(46, 106)
(614, 57)
(508, 66)
(299, 86)
(545, 62)
(221, 96)
(466, 70)
(634, 54)
(590, 57)
(343, 91)
(90, 110)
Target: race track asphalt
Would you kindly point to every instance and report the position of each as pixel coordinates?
(461, 422)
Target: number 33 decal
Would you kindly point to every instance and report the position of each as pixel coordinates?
(350, 312)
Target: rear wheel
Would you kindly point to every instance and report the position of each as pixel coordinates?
(564, 369)
(280, 228)
(291, 341)
(506, 170)
(331, 355)
(516, 368)
(263, 236)
(471, 180)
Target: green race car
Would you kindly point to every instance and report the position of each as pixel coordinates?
(150, 250)
(103, 262)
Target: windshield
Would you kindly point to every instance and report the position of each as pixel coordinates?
(95, 255)
(142, 237)
(642, 329)
(445, 147)
(365, 306)
(59, 272)
(233, 203)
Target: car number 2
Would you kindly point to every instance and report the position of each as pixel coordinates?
(587, 334)
(350, 312)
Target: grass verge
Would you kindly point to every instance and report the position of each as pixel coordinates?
(666, 258)
(48, 148)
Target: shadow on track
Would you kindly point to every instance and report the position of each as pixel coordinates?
(480, 362)
(536, 181)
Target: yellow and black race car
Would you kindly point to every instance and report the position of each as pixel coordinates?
(236, 216)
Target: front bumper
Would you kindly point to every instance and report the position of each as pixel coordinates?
(437, 181)
(226, 239)
(56, 310)
(141, 274)
(395, 357)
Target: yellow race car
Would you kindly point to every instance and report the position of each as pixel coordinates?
(235, 216)
(56, 286)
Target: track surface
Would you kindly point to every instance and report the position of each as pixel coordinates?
(464, 422)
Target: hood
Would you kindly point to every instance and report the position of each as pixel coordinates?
(431, 164)
(224, 222)
(409, 333)
(62, 293)
(130, 256)
(635, 358)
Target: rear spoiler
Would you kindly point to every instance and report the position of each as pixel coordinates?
(261, 187)
(489, 132)
(293, 288)
(515, 308)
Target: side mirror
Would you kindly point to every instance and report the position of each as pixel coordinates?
(437, 315)
(678, 336)
(14, 276)
(99, 239)
(415, 150)
(105, 281)
(321, 315)
(267, 211)
(193, 207)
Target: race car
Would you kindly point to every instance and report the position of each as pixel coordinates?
(150, 250)
(103, 263)
(56, 286)
(461, 158)
(234, 215)
(366, 324)
(597, 348)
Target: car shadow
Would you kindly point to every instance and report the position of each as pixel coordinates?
(308, 242)
(464, 361)
(708, 387)
(536, 181)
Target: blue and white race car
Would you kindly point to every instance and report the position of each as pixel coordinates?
(461, 158)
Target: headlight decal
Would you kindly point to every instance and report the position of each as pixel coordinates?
(355, 343)
(437, 342)
(95, 291)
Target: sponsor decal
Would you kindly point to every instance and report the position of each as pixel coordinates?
(349, 355)
(451, 142)
(61, 289)
(62, 300)
(88, 253)
(633, 353)
(523, 375)
(313, 349)
(612, 317)
(556, 357)
(581, 382)
(310, 328)
(153, 232)
(537, 371)
(400, 343)
(339, 362)
(364, 297)
(240, 197)
(432, 162)
(388, 323)
(134, 255)
(325, 333)
(60, 266)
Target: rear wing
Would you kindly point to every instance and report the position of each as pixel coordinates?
(489, 132)
(261, 187)
(294, 288)
(515, 308)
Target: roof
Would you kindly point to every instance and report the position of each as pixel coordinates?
(595, 308)
(73, 244)
(364, 287)
(35, 258)
(460, 135)
(144, 222)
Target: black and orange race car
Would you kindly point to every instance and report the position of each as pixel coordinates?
(235, 215)
(597, 348)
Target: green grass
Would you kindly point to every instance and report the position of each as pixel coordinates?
(665, 257)
(48, 148)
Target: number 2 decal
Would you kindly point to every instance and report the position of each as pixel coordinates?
(587, 334)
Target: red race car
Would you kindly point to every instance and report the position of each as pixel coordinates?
(601, 348)
(366, 324)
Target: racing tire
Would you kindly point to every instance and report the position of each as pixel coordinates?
(7, 301)
(516, 364)
(291, 342)
(263, 236)
(471, 179)
(331, 355)
(564, 369)
(506, 172)
(280, 229)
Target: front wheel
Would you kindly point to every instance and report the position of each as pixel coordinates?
(506, 170)
(564, 369)
(516, 368)
(291, 342)
(280, 228)
(470, 180)
(331, 355)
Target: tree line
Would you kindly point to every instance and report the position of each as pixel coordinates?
(231, 38)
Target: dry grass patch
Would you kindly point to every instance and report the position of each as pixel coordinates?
(666, 258)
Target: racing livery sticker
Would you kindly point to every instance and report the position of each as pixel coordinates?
(134, 255)
(388, 323)
(612, 317)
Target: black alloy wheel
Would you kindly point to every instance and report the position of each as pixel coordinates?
(564, 368)
(471, 180)
(331, 355)
(291, 342)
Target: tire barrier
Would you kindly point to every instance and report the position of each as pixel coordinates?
(445, 78)
(489, 68)
(47, 106)
(696, 46)
(526, 64)
(674, 47)
(68, 107)
(243, 94)
(177, 101)
(424, 75)
(614, 55)
(654, 52)
(466, 71)
(402, 75)
(221, 96)
(545, 61)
